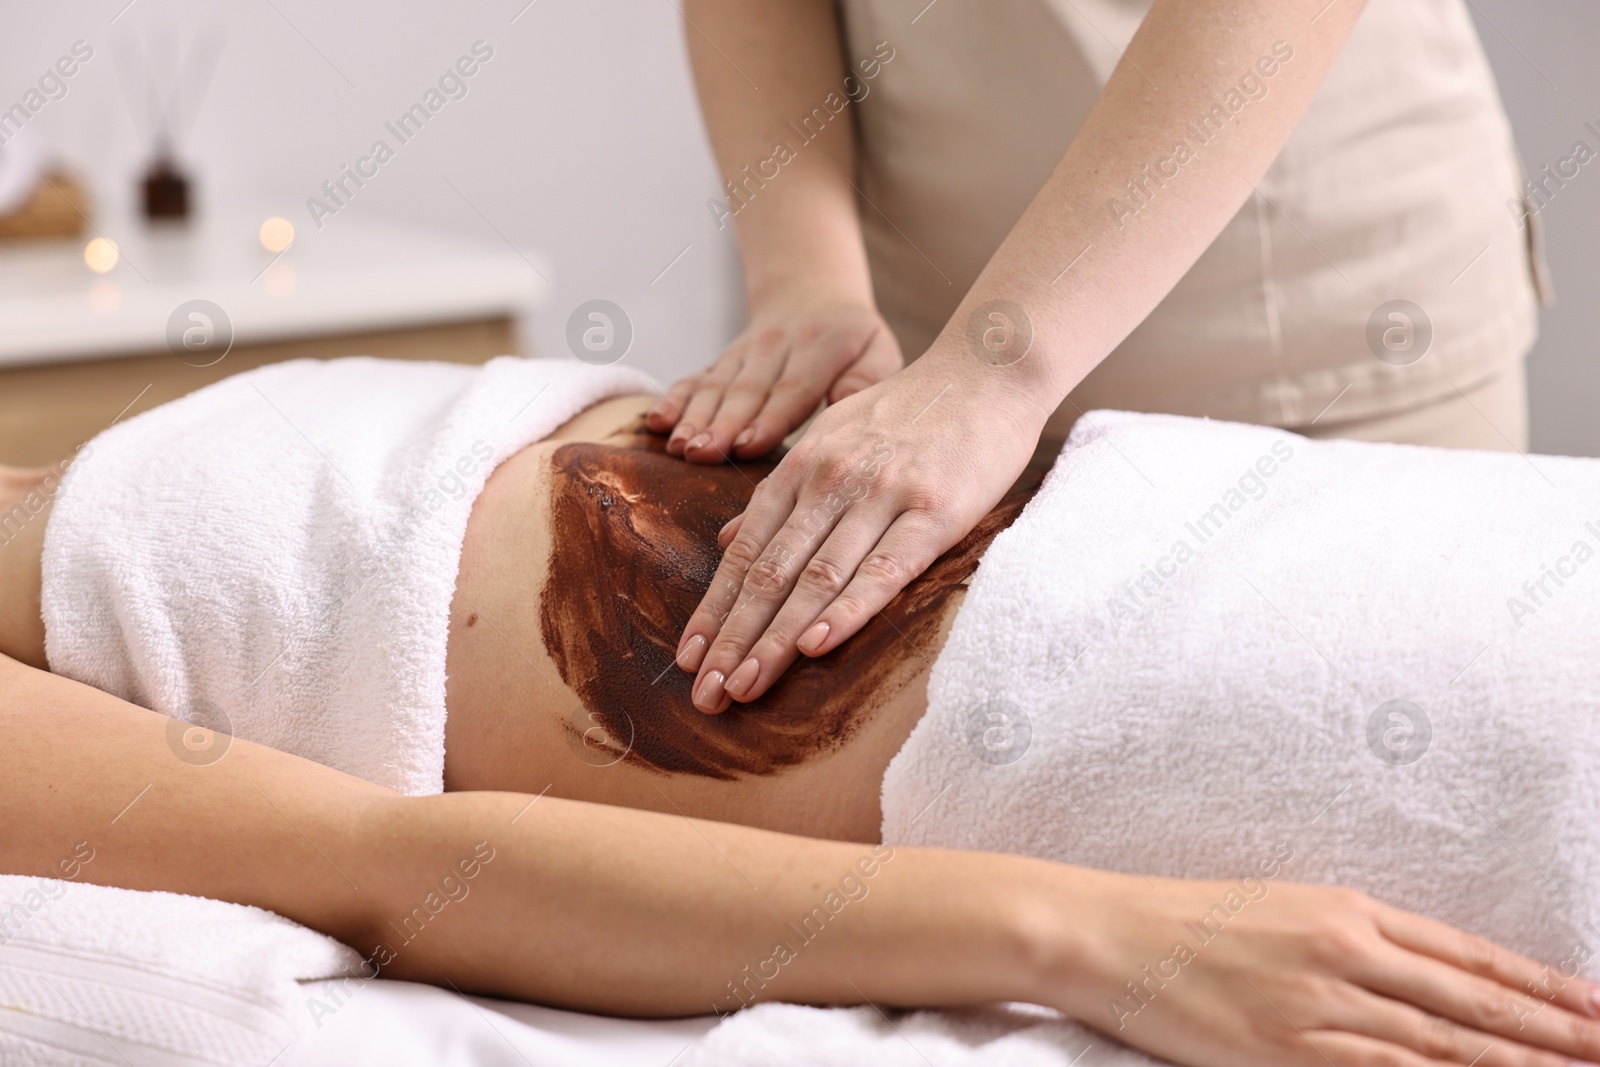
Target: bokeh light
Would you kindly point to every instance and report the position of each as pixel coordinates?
(276, 234)
(100, 255)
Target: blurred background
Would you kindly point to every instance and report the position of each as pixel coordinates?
(569, 166)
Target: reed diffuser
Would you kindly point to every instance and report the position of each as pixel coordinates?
(166, 108)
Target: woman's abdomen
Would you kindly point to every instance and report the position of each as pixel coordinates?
(583, 561)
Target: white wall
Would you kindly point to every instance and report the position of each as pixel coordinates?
(580, 142)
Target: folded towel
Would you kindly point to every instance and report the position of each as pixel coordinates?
(95, 975)
(1216, 651)
(274, 556)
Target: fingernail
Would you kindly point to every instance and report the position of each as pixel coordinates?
(710, 691)
(692, 653)
(746, 435)
(813, 638)
(701, 441)
(657, 411)
(744, 677)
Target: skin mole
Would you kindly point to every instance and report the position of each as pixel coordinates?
(634, 548)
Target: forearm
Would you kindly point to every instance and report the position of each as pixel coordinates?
(561, 902)
(614, 910)
(770, 67)
(1149, 181)
(624, 911)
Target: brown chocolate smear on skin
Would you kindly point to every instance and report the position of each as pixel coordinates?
(634, 548)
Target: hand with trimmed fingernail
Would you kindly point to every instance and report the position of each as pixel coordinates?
(797, 352)
(881, 484)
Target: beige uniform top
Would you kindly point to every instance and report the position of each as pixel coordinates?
(1400, 183)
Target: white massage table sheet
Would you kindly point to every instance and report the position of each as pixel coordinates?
(406, 1024)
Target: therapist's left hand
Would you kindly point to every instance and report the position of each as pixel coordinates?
(882, 483)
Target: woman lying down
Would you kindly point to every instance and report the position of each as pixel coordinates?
(412, 661)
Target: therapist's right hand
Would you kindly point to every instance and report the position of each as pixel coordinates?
(797, 352)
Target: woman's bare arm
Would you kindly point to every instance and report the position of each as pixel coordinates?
(778, 99)
(1206, 96)
(614, 910)
(582, 905)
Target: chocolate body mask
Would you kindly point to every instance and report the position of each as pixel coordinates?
(634, 548)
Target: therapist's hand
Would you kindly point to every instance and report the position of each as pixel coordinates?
(881, 484)
(798, 351)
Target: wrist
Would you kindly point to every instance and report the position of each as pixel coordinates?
(957, 928)
(1022, 394)
(1065, 918)
(821, 290)
(806, 282)
(807, 242)
(1020, 342)
(1024, 930)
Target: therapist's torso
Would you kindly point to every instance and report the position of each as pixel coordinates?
(1400, 183)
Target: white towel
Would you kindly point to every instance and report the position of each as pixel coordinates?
(1205, 646)
(274, 557)
(95, 975)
